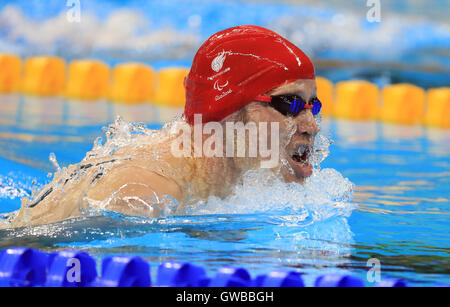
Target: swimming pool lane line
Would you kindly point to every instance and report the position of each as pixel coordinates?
(28, 267)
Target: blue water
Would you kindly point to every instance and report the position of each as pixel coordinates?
(400, 214)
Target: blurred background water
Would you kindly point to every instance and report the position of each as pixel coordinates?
(411, 43)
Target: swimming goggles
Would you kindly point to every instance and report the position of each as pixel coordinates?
(291, 104)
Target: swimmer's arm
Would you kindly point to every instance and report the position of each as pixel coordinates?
(58, 200)
(125, 186)
(134, 190)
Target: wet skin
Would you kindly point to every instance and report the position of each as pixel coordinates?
(133, 182)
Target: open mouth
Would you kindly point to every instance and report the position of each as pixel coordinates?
(302, 153)
(300, 158)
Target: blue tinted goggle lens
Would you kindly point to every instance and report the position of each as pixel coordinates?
(317, 106)
(293, 105)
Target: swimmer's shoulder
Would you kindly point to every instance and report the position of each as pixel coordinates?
(134, 178)
(151, 165)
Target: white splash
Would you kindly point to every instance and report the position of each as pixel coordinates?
(325, 194)
(12, 189)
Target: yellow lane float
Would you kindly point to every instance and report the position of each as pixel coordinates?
(44, 76)
(88, 80)
(438, 107)
(356, 100)
(170, 87)
(10, 71)
(132, 83)
(325, 95)
(402, 104)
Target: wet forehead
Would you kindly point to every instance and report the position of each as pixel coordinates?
(305, 88)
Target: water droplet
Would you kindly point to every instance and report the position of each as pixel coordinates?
(52, 158)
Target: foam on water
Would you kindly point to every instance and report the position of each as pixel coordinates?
(325, 194)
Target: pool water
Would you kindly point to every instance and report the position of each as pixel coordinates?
(393, 206)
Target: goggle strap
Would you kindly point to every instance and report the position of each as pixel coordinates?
(263, 98)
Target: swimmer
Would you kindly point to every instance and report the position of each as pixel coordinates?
(245, 74)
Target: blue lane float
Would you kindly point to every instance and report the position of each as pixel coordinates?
(70, 269)
(334, 280)
(231, 277)
(173, 274)
(22, 267)
(279, 279)
(394, 283)
(124, 271)
(27, 267)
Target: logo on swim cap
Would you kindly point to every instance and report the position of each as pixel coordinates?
(217, 63)
(219, 87)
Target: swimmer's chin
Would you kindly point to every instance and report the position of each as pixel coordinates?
(296, 172)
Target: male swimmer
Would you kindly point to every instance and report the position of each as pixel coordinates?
(245, 74)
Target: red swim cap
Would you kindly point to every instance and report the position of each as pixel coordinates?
(235, 65)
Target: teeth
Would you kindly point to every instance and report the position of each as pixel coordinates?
(302, 153)
(300, 150)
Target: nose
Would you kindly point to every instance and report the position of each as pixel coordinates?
(306, 125)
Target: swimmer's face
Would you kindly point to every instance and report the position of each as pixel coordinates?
(296, 133)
